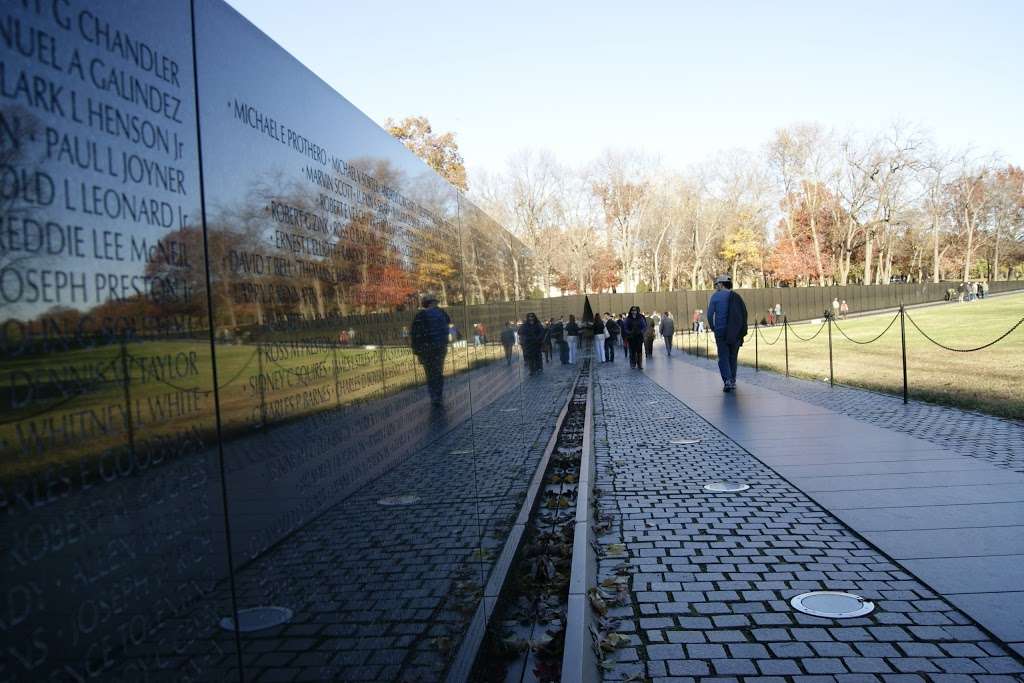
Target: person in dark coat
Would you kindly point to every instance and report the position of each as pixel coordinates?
(546, 343)
(531, 335)
(558, 340)
(635, 325)
(429, 339)
(727, 315)
(650, 333)
(611, 331)
(667, 329)
(508, 340)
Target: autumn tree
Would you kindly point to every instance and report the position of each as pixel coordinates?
(440, 151)
(623, 181)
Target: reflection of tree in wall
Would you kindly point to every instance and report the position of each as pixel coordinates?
(17, 126)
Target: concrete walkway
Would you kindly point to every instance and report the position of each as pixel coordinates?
(953, 521)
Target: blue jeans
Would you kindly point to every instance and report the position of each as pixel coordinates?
(728, 355)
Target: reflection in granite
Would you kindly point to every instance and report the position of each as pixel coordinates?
(209, 268)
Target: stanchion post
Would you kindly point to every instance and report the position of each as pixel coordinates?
(262, 384)
(756, 368)
(785, 332)
(903, 344)
(337, 388)
(127, 381)
(831, 371)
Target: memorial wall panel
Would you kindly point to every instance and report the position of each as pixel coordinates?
(110, 488)
(354, 462)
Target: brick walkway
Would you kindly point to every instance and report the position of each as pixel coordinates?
(712, 573)
(385, 593)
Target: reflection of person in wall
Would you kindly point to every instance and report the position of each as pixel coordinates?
(531, 334)
(508, 340)
(429, 337)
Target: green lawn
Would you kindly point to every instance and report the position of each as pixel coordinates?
(990, 380)
(74, 403)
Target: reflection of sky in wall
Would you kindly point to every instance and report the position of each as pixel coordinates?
(293, 99)
(79, 155)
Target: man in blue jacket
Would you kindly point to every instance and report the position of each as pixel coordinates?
(429, 338)
(727, 315)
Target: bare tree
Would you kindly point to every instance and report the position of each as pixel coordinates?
(623, 182)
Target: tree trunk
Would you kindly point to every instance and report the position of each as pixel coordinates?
(970, 245)
(869, 243)
(995, 257)
(935, 252)
(817, 248)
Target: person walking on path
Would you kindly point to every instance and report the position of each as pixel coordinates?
(635, 325)
(429, 339)
(844, 309)
(727, 315)
(696, 318)
(546, 343)
(778, 313)
(531, 336)
(650, 333)
(622, 333)
(599, 338)
(666, 330)
(572, 337)
(611, 330)
(558, 340)
(508, 340)
(835, 308)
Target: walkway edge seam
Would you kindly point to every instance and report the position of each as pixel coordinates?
(579, 661)
(465, 658)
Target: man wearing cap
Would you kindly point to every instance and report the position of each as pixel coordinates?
(727, 315)
(429, 338)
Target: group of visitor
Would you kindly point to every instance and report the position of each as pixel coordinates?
(839, 310)
(432, 331)
(970, 291)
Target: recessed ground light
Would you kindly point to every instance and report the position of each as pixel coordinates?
(461, 451)
(832, 604)
(257, 619)
(684, 442)
(726, 487)
(396, 501)
(510, 410)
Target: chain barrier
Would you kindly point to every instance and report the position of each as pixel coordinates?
(812, 336)
(777, 337)
(871, 341)
(977, 348)
(240, 370)
(64, 401)
(295, 373)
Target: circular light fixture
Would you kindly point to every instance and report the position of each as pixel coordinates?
(726, 487)
(257, 619)
(397, 501)
(832, 604)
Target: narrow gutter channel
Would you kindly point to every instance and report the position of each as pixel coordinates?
(526, 639)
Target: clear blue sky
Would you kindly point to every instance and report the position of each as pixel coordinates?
(679, 79)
